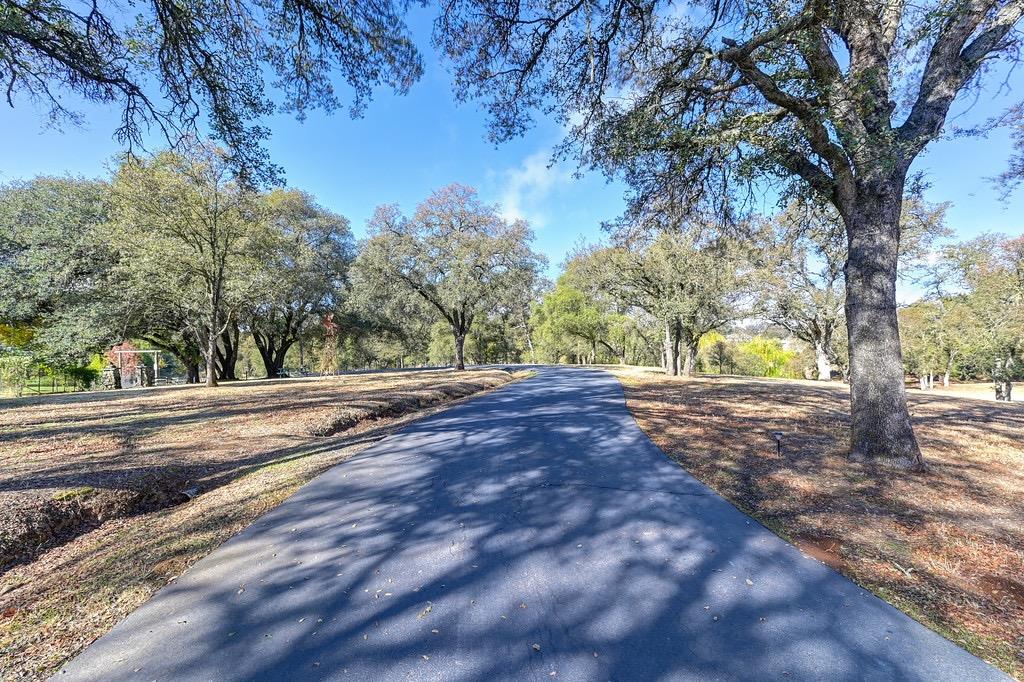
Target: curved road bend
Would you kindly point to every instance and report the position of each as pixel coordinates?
(530, 534)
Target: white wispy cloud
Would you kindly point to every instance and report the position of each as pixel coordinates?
(525, 189)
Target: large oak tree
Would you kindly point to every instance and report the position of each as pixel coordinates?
(804, 288)
(457, 254)
(301, 275)
(187, 226)
(57, 267)
(691, 280)
(687, 99)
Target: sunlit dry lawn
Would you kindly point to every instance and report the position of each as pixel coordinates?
(238, 450)
(105, 439)
(947, 546)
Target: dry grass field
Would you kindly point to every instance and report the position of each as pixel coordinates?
(947, 546)
(106, 497)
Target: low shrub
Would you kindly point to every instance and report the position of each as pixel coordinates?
(83, 377)
(14, 373)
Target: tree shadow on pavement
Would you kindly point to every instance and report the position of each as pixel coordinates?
(529, 534)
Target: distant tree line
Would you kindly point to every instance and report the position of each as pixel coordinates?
(174, 252)
(177, 254)
(769, 300)
(970, 324)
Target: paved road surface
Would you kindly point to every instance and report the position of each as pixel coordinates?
(533, 533)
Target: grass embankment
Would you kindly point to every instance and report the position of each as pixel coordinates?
(104, 498)
(947, 547)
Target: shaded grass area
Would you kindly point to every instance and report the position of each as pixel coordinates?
(946, 547)
(233, 453)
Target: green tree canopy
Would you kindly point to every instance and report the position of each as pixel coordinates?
(456, 253)
(301, 271)
(57, 266)
(804, 290)
(990, 272)
(186, 228)
(569, 322)
(693, 280)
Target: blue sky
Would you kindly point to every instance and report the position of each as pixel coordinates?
(405, 147)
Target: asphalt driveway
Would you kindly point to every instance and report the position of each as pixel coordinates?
(532, 533)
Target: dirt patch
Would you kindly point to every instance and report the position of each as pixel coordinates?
(822, 548)
(32, 524)
(941, 546)
(1005, 591)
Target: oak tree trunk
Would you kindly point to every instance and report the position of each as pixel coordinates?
(460, 352)
(212, 334)
(1001, 379)
(267, 355)
(529, 339)
(227, 353)
(690, 366)
(211, 358)
(273, 351)
(881, 431)
(824, 364)
(278, 359)
(1005, 391)
(677, 346)
(671, 349)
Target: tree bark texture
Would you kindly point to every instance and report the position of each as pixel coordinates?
(460, 351)
(690, 365)
(822, 362)
(273, 350)
(881, 431)
(671, 349)
(227, 353)
(1001, 379)
(211, 359)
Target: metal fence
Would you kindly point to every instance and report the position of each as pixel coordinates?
(40, 381)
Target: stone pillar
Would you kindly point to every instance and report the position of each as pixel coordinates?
(111, 378)
(145, 375)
